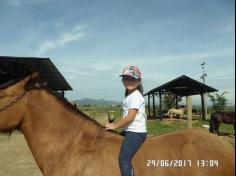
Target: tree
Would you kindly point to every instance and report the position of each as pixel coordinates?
(169, 100)
(218, 101)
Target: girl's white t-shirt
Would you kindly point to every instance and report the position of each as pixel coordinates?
(135, 100)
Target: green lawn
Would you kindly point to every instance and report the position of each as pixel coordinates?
(160, 127)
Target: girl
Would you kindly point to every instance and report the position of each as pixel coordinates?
(134, 119)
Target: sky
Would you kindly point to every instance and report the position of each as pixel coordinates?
(91, 41)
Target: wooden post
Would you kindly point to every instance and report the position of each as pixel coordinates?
(149, 115)
(161, 115)
(176, 102)
(153, 105)
(203, 107)
(189, 111)
(63, 93)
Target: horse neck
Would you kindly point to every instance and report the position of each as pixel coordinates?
(50, 128)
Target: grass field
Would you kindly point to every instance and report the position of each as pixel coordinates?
(16, 158)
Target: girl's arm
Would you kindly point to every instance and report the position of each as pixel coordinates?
(123, 122)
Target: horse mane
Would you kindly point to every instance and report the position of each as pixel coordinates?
(70, 107)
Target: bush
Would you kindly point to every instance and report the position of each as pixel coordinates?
(218, 102)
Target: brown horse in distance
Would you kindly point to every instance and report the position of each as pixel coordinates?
(221, 117)
(66, 142)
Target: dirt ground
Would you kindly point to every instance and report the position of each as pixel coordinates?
(15, 157)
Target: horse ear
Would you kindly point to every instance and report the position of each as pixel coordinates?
(34, 75)
(32, 80)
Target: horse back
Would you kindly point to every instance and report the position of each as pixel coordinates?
(225, 117)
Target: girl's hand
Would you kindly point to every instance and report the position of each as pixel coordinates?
(110, 126)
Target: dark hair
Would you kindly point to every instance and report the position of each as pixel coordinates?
(139, 88)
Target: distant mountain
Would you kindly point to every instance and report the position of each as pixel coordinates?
(89, 101)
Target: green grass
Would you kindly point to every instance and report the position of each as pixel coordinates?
(226, 127)
(156, 127)
(159, 127)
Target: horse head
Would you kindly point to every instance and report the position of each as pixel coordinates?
(12, 100)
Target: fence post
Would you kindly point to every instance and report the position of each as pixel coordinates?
(189, 111)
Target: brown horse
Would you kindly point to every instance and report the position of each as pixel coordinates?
(221, 117)
(66, 142)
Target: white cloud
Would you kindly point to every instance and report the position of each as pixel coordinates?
(18, 3)
(65, 38)
(170, 59)
(143, 61)
(14, 3)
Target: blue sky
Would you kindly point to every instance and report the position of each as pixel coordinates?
(91, 41)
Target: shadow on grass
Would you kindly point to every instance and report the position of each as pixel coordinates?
(224, 133)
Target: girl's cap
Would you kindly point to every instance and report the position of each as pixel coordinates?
(133, 71)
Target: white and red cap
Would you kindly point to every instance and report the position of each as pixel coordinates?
(133, 71)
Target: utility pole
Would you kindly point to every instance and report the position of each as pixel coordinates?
(203, 77)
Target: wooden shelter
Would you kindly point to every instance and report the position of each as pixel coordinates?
(179, 87)
(12, 68)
